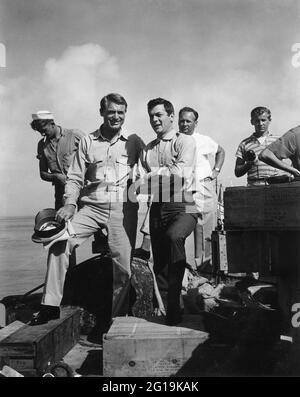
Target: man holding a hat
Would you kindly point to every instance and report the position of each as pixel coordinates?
(101, 173)
(55, 151)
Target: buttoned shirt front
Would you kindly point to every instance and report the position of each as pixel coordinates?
(102, 168)
(173, 158)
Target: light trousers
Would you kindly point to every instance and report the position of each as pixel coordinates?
(120, 219)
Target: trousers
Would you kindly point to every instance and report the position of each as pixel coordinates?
(120, 220)
(206, 203)
(170, 225)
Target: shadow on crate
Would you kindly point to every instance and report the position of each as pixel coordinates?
(93, 364)
(89, 286)
(242, 345)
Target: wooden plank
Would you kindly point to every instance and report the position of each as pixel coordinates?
(34, 347)
(10, 329)
(137, 347)
(273, 207)
(2, 315)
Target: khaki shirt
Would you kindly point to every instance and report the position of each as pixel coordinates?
(171, 164)
(101, 169)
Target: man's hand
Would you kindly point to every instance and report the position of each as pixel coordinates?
(60, 178)
(295, 172)
(214, 174)
(65, 213)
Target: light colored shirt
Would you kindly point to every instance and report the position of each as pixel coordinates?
(259, 170)
(206, 148)
(173, 159)
(102, 169)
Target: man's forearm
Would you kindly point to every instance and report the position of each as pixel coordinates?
(242, 169)
(271, 159)
(47, 176)
(219, 158)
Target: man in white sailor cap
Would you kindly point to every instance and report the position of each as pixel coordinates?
(54, 151)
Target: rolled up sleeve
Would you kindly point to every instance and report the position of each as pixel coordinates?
(76, 173)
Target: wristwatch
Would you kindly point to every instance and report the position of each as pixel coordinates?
(217, 169)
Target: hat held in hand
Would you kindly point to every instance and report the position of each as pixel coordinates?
(46, 227)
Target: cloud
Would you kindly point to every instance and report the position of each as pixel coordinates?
(71, 86)
(77, 80)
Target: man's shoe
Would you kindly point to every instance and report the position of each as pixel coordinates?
(173, 318)
(45, 314)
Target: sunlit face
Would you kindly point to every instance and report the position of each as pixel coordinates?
(187, 123)
(261, 124)
(113, 116)
(160, 121)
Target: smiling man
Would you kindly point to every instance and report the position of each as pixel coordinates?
(247, 161)
(169, 160)
(101, 173)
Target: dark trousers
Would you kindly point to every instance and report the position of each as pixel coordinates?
(170, 225)
(59, 191)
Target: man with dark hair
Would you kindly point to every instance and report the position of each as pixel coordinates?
(169, 161)
(208, 152)
(55, 151)
(247, 161)
(101, 172)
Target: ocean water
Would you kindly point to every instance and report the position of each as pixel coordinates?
(23, 262)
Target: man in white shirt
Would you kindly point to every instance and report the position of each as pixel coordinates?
(208, 152)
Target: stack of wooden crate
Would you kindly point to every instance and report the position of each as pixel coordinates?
(31, 349)
(258, 220)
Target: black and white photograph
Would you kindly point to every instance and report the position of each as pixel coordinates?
(150, 191)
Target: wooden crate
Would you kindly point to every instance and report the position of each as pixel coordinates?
(30, 349)
(274, 207)
(137, 347)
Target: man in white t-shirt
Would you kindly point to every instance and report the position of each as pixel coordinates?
(210, 159)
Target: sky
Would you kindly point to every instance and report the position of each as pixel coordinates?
(222, 57)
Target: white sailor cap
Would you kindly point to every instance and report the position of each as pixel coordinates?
(42, 115)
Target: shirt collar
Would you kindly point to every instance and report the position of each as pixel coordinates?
(169, 136)
(123, 134)
(61, 134)
(253, 136)
(62, 131)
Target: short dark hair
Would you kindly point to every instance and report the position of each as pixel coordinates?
(160, 101)
(113, 97)
(259, 110)
(190, 110)
(35, 124)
